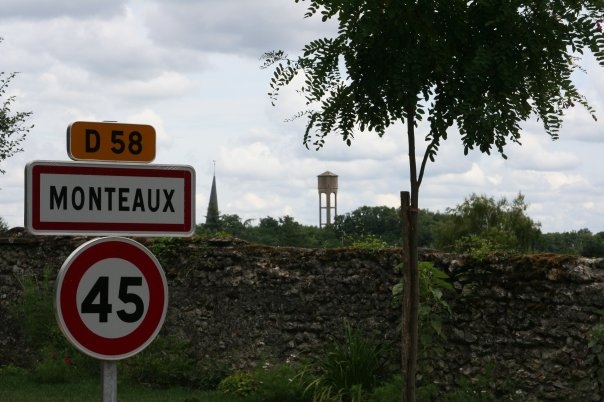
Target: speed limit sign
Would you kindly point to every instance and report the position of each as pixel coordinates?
(111, 298)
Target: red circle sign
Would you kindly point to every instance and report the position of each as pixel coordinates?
(111, 298)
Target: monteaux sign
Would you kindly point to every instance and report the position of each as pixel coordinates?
(109, 198)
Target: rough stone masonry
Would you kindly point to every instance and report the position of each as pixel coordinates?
(524, 319)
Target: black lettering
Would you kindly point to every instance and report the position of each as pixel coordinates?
(123, 198)
(95, 197)
(116, 139)
(153, 207)
(90, 133)
(135, 146)
(58, 199)
(110, 191)
(77, 204)
(138, 201)
(168, 203)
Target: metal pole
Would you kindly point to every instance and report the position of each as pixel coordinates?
(109, 381)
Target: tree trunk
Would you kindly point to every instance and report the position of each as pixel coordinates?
(410, 299)
(409, 208)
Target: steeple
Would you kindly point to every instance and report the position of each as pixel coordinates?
(213, 216)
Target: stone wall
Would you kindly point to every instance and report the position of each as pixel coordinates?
(526, 318)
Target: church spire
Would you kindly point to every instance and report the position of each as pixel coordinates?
(213, 216)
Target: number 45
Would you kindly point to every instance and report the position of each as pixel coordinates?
(103, 308)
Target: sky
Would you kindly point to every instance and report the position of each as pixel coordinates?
(191, 69)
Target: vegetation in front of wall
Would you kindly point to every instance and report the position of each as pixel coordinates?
(17, 385)
(346, 371)
(55, 360)
(350, 371)
(479, 388)
(166, 248)
(479, 248)
(34, 309)
(168, 361)
(596, 347)
(369, 242)
(433, 310)
(269, 383)
(60, 365)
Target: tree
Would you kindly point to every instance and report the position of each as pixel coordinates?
(384, 223)
(232, 224)
(13, 128)
(501, 224)
(483, 66)
(381, 222)
(593, 246)
(577, 242)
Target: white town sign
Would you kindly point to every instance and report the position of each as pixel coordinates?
(109, 198)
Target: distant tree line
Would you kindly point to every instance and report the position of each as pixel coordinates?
(480, 224)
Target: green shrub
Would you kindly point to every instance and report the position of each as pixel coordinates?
(166, 248)
(166, 362)
(480, 388)
(11, 370)
(267, 384)
(390, 391)
(472, 390)
(369, 242)
(56, 367)
(210, 375)
(277, 384)
(346, 370)
(35, 314)
(596, 347)
(433, 309)
(34, 311)
(239, 383)
(480, 248)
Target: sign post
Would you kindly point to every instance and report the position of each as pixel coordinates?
(108, 381)
(111, 293)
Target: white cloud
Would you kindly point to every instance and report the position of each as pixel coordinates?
(255, 160)
(192, 70)
(242, 27)
(539, 153)
(569, 182)
(42, 10)
(168, 84)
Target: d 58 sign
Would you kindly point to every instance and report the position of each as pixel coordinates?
(111, 298)
(111, 141)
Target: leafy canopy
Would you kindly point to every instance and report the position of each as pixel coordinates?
(12, 124)
(484, 65)
(503, 224)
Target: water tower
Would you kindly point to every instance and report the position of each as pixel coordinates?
(328, 187)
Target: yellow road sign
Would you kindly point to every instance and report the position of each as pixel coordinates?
(111, 141)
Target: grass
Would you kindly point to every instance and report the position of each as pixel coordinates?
(20, 387)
